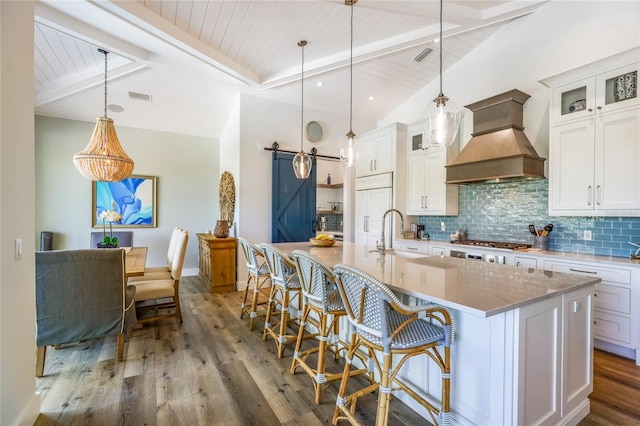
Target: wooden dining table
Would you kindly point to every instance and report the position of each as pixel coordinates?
(135, 261)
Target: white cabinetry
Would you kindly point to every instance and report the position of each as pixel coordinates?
(594, 148)
(615, 314)
(373, 198)
(532, 365)
(427, 192)
(377, 150)
(525, 262)
(421, 247)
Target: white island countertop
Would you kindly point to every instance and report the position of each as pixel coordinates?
(478, 288)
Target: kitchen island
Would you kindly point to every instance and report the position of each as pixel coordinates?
(523, 352)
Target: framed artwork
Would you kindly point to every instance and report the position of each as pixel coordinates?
(134, 198)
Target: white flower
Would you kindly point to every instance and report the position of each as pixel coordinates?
(110, 216)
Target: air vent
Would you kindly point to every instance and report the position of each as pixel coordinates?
(423, 54)
(140, 96)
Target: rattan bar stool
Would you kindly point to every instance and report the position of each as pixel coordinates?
(258, 272)
(383, 323)
(321, 298)
(285, 290)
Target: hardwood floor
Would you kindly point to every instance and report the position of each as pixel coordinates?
(212, 370)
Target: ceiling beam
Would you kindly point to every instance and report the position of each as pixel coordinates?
(143, 18)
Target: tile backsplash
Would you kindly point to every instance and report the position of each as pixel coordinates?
(503, 211)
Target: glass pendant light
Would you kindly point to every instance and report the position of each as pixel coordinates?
(348, 144)
(103, 159)
(442, 117)
(302, 161)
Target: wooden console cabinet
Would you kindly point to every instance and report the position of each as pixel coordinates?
(218, 262)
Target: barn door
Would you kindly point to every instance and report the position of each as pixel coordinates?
(293, 202)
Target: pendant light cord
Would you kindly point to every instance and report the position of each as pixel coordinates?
(105, 79)
(302, 102)
(440, 47)
(351, 76)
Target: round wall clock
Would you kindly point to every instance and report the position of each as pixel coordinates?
(314, 131)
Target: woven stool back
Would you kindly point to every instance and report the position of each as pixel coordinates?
(317, 282)
(283, 270)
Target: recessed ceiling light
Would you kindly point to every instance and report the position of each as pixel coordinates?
(371, 98)
(115, 108)
(320, 84)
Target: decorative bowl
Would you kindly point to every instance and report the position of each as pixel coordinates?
(321, 243)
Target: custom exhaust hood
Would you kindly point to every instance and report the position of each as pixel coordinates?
(498, 148)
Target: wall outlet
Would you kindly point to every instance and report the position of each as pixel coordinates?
(587, 236)
(442, 227)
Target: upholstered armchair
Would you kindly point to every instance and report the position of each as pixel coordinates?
(81, 294)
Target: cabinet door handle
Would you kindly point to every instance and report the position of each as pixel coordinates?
(590, 110)
(518, 263)
(584, 272)
(589, 195)
(375, 164)
(422, 201)
(412, 248)
(426, 204)
(598, 194)
(599, 108)
(370, 165)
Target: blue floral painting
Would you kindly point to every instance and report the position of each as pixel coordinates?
(133, 198)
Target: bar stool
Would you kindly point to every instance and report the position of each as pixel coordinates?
(258, 272)
(321, 297)
(383, 323)
(285, 290)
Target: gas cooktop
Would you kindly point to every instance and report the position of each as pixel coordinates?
(493, 244)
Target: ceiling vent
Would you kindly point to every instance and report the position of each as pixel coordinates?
(140, 96)
(423, 54)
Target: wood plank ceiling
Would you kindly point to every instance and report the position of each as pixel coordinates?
(227, 47)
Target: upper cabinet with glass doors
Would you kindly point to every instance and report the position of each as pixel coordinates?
(604, 92)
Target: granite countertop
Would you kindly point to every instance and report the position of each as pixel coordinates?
(558, 255)
(479, 288)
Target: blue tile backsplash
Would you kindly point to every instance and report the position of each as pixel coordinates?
(503, 211)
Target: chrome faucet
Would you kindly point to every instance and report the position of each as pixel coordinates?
(381, 247)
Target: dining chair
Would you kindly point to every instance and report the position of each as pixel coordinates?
(285, 291)
(161, 272)
(258, 272)
(158, 299)
(322, 310)
(81, 294)
(384, 324)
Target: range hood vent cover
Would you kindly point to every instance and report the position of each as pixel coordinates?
(498, 148)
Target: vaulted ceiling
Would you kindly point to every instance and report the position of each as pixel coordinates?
(193, 58)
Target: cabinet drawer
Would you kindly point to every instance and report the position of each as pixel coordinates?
(413, 248)
(525, 262)
(614, 275)
(612, 327)
(439, 251)
(612, 298)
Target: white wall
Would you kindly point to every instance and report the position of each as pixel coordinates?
(187, 170)
(230, 155)
(559, 36)
(261, 123)
(18, 402)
